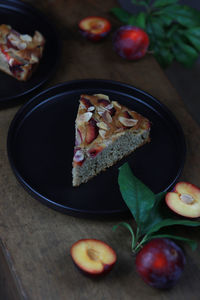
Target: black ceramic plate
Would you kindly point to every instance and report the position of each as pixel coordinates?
(41, 141)
(26, 19)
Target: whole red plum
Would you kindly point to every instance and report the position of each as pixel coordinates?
(131, 42)
(160, 263)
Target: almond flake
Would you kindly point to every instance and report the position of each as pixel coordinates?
(101, 110)
(78, 139)
(102, 133)
(100, 113)
(22, 46)
(79, 156)
(102, 125)
(26, 38)
(102, 96)
(91, 108)
(34, 59)
(15, 41)
(11, 61)
(106, 116)
(84, 117)
(128, 122)
(116, 104)
(38, 37)
(110, 106)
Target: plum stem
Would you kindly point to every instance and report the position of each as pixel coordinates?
(140, 244)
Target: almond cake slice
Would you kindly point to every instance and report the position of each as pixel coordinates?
(19, 53)
(105, 132)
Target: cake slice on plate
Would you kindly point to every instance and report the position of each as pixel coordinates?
(20, 54)
(105, 132)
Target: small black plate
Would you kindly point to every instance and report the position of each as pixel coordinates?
(26, 19)
(41, 141)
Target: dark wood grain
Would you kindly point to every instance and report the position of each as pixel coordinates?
(37, 238)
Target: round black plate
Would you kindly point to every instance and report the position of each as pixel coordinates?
(41, 141)
(26, 19)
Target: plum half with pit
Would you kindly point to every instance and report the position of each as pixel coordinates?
(93, 257)
(94, 28)
(160, 263)
(184, 200)
(131, 42)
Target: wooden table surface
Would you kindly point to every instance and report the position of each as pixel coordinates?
(35, 240)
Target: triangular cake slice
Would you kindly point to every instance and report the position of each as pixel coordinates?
(20, 54)
(106, 131)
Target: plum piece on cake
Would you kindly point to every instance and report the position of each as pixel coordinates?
(20, 54)
(105, 132)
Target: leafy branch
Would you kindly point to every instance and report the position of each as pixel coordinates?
(173, 29)
(146, 208)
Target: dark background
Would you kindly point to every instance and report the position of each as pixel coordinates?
(186, 81)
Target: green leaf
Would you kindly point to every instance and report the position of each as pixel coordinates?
(193, 244)
(170, 31)
(126, 225)
(164, 56)
(132, 20)
(154, 217)
(161, 3)
(193, 35)
(186, 55)
(184, 15)
(149, 30)
(156, 214)
(164, 20)
(121, 14)
(137, 196)
(156, 28)
(167, 10)
(171, 222)
(141, 20)
(160, 45)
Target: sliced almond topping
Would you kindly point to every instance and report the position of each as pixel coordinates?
(91, 108)
(116, 104)
(38, 37)
(84, 117)
(100, 110)
(106, 116)
(15, 41)
(110, 106)
(102, 96)
(79, 156)
(11, 61)
(13, 36)
(26, 38)
(102, 125)
(100, 113)
(34, 59)
(22, 46)
(128, 122)
(102, 133)
(78, 139)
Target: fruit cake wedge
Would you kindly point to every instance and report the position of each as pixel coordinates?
(19, 53)
(105, 132)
